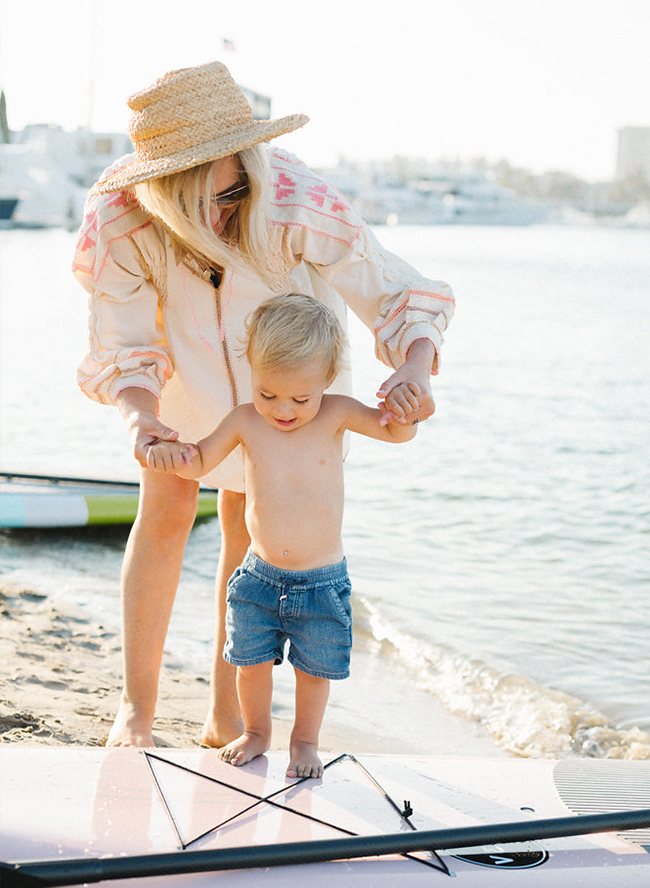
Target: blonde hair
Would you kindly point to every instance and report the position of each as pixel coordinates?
(181, 202)
(287, 331)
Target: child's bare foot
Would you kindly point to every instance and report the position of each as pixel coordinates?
(244, 748)
(221, 729)
(132, 727)
(304, 760)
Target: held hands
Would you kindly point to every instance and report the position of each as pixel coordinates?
(405, 401)
(145, 430)
(170, 456)
(155, 446)
(405, 397)
(139, 408)
(401, 404)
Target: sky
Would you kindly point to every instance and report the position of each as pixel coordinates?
(544, 85)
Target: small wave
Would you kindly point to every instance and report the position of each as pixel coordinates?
(524, 717)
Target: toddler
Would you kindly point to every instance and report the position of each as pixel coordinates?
(293, 584)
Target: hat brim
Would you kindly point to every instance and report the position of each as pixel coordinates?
(140, 170)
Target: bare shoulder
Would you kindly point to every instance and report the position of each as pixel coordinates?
(234, 424)
(243, 411)
(242, 418)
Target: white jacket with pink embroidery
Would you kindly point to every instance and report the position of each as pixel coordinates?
(156, 324)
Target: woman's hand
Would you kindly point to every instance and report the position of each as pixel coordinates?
(406, 395)
(139, 408)
(145, 429)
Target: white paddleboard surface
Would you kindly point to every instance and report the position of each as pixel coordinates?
(88, 802)
(50, 501)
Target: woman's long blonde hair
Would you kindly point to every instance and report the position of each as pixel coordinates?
(182, 203)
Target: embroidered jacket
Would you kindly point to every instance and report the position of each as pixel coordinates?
(158, 325)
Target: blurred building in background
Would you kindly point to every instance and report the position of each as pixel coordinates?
(633, 155)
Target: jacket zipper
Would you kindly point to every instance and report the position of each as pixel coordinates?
(224, 346)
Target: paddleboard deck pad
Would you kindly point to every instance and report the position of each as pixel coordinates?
(108, 805)
(51, 501)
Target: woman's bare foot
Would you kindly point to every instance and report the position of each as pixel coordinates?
(222, 729)
(132, 727)
(304, 760)
(245, 748)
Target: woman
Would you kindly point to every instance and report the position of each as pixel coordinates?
(180, 242)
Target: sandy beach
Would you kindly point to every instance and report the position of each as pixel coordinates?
(62, 678)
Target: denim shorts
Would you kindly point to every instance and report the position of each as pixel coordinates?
(310, 608)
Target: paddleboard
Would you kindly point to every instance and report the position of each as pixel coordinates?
(51, 501)
(147, 815)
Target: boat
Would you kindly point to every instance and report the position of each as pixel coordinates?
(32, 501)
(420, 197)
(7, 207)
(49, 169)
(170, 817)
(479, 200)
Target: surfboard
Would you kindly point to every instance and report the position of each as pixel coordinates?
(170, 817)
(51, 501)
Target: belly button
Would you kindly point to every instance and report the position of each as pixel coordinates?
(285, 553)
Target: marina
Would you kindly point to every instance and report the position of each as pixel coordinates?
(45, 173)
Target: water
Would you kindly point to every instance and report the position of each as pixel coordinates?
(500, 560)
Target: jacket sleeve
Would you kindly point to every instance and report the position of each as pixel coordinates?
(127, 345)
(390, 296)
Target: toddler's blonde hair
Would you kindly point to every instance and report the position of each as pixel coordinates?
(290, 330)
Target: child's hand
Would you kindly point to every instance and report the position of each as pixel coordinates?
(170, 456)
(403, 399)
(416, 370)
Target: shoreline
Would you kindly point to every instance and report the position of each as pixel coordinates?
(62, 683)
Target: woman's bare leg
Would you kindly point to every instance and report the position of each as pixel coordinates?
(224, 722)
(255, 689)
(312, 694)
(150, 574)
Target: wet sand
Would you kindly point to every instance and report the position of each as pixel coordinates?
(61, 681)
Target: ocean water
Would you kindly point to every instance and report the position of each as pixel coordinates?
(500, 560)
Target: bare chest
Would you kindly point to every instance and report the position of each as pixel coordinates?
(302, 460)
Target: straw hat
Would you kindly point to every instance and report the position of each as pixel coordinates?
(189, 117)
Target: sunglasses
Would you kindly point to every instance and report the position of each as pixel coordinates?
(230, 197)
